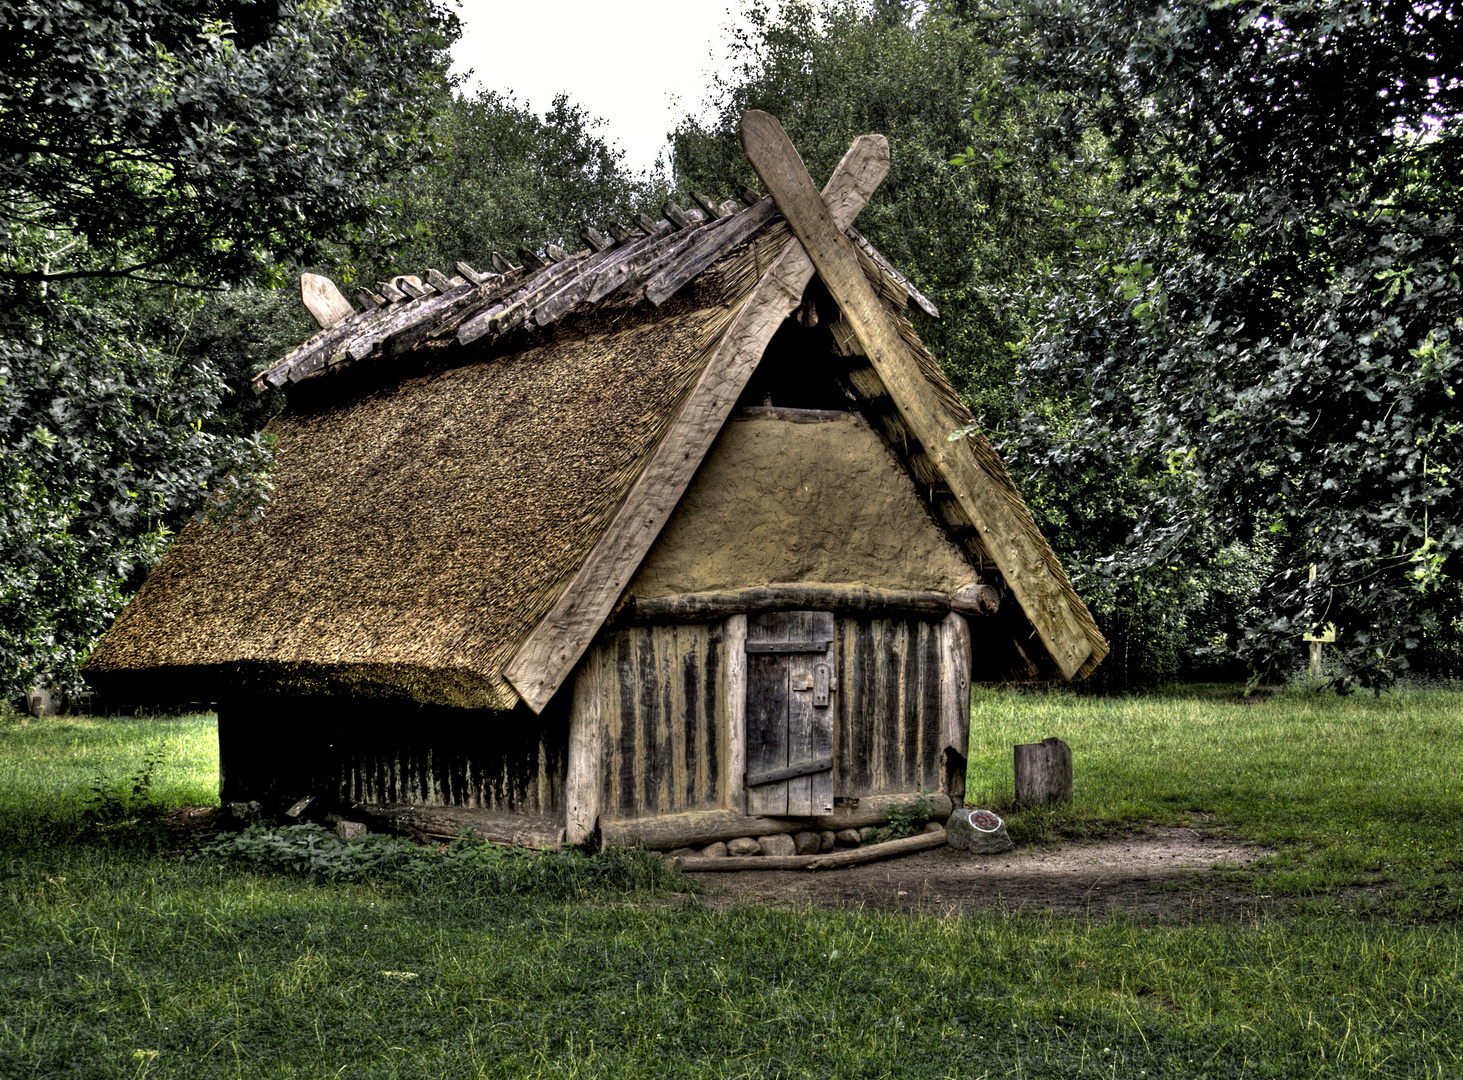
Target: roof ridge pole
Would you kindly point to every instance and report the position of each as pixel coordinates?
(1010, 536)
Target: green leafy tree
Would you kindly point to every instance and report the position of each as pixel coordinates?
(1273, 357)
(182, 144)
(501, 176)
(968, 211)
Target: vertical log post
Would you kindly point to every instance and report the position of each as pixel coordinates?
(586, 748)
(1043, 773)
(735, 639)
(955, 660)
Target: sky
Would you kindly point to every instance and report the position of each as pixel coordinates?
(638, 64)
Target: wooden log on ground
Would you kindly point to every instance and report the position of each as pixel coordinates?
(875, 852)
(840, 599)
(877, 809)
(695, 828)
(1043, 772)
(700, 864)
(450, 822)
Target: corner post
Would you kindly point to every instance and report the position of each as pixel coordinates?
(955, 664)
(586, 748)
(736, 713)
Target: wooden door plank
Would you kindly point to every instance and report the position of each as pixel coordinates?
(767, 730)
(1019, 556)
(550, 651)
(800, 731)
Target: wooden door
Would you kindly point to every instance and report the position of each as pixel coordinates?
(791, 681)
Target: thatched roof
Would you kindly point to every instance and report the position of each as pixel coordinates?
(418, 529)
(470, 469)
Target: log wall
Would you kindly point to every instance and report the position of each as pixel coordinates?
(274, 750)
(888, 736)
(663, 723)
(665, 714)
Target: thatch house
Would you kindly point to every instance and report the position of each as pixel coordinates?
(665, 539)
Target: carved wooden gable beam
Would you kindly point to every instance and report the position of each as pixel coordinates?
(1021, 557)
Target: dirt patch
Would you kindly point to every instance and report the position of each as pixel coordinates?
(1162, 874)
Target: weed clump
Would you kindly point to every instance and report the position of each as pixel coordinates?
(472, 866)
(127, 813)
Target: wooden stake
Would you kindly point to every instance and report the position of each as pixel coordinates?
(1043, 772)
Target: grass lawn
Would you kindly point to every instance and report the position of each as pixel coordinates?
(119, 963)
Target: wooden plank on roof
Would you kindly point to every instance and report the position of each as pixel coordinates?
(675, 215)
(706, 249)
(602, 275)
(323, 300)
(713, 208)
(921, 301)
(391, 292)
(411, 285)
(515, 308)
(1019, 552)
(595, 239)
(472, 275)
(552, 648)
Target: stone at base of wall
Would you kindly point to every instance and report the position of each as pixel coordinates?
(777, 844)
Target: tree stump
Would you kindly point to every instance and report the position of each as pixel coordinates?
(1043, 773)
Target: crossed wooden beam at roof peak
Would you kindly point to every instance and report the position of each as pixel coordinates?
(818, 222)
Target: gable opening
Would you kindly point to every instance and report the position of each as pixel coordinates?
(801, 368)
